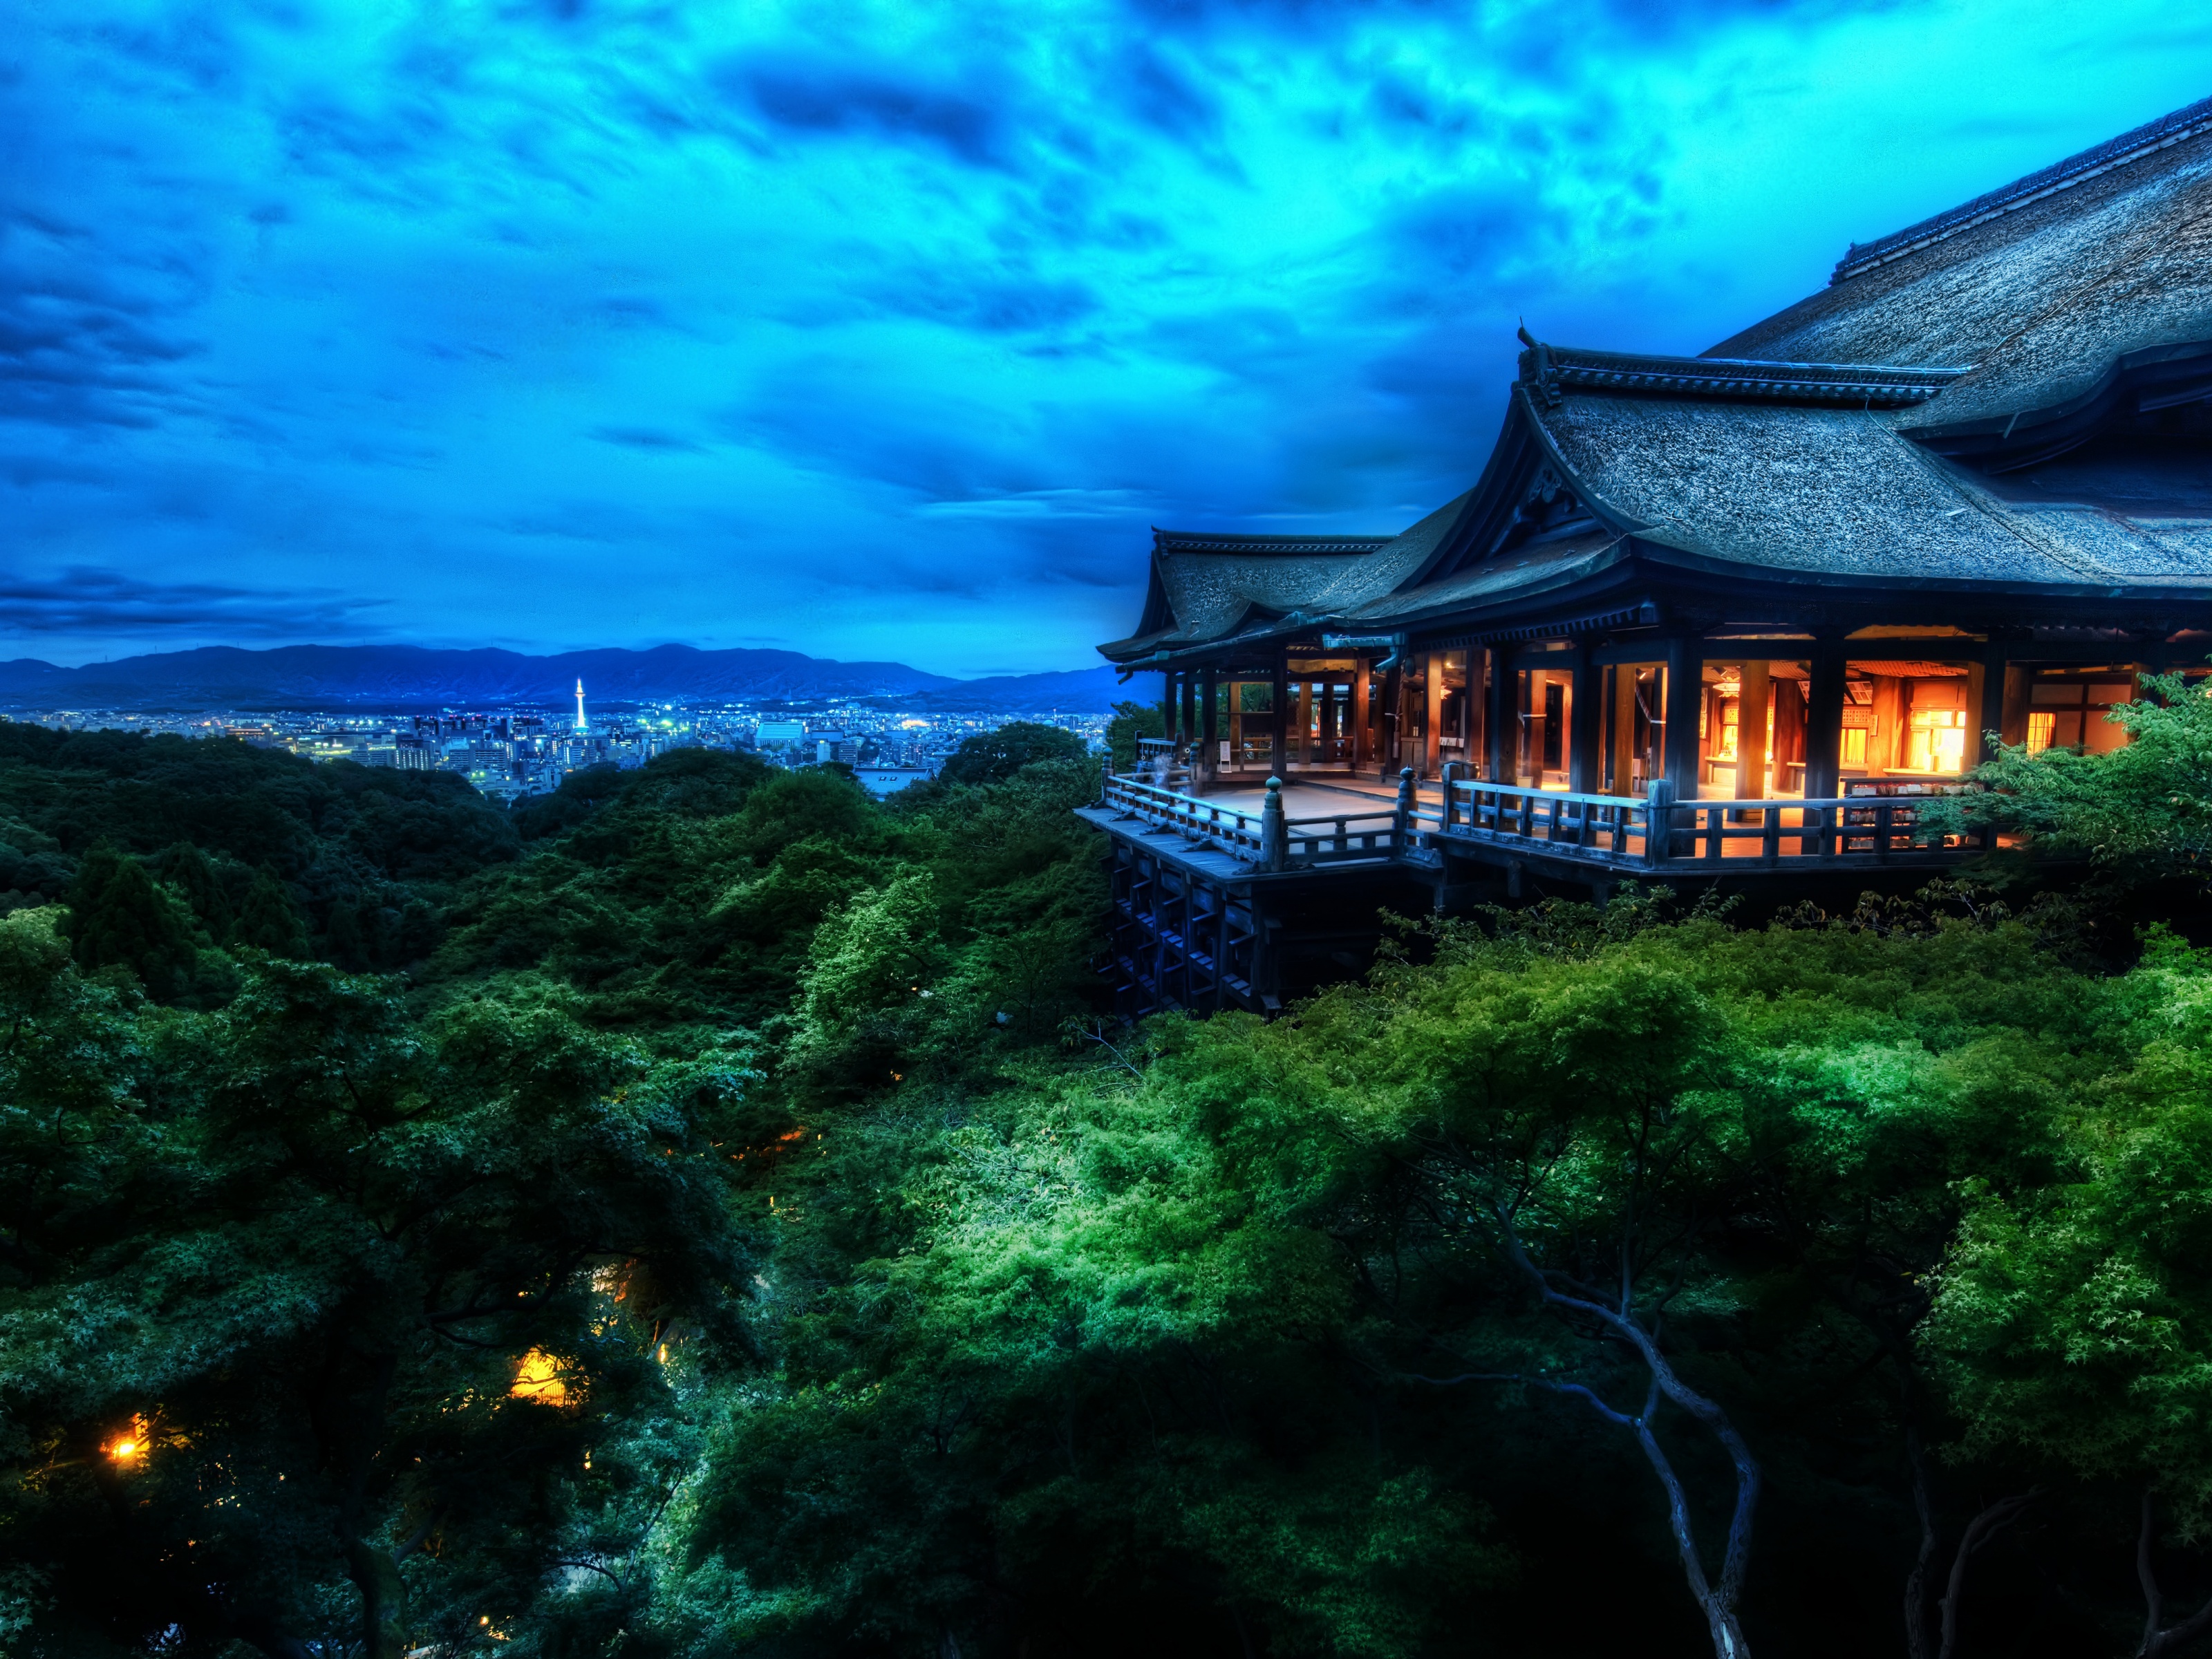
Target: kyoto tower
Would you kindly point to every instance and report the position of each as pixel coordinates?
(581, 725)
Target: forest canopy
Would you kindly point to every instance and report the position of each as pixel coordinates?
(710, 1212)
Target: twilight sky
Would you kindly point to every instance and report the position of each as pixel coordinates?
(886, 329)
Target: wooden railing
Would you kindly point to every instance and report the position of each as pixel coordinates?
(1618, 830)
(1612, 831)
(1262, 835)
(1230, 828)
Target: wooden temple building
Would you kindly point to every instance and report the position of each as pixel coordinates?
(1723, 617)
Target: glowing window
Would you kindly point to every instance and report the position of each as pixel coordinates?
(2040, 729)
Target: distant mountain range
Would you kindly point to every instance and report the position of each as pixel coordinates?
(403, 676)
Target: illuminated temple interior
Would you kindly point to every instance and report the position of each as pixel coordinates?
(1904, 717)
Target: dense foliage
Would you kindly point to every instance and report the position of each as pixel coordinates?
(741, 1228)
(248, 846)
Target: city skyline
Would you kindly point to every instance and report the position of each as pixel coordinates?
(881, 337)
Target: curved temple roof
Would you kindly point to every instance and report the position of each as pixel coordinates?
(1869, 435)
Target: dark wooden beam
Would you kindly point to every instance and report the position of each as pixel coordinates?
(1279, 713)
(1497, 712)
(1212, 738)
(1363, 747)
(1686, 712)
(1751, 729)
(1988, 717)
(1583, 715)
(1824, 721)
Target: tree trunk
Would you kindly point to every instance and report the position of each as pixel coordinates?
(1718, 1600)
(2158, 1643)
(1980, 1530)
(1916, 1582)
(383, 1599)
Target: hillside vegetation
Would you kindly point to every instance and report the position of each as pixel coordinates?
(711, 1213)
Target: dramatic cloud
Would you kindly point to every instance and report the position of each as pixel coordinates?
(886, 331)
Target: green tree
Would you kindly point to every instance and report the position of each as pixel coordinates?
(2141, 811)
(187, 871)
(1070, 1376)
(119, 917)
(2073, 1320)
(994, 756)
(269, 921)
(320, 1329)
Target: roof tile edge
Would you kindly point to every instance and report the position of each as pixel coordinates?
(1200, 541)
(1552, 369)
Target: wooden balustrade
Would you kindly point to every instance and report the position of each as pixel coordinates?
(1242, 832)
(1619, 828)
(1612, 831)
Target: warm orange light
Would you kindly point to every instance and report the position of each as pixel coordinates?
(131, 1445)
(538, 1376)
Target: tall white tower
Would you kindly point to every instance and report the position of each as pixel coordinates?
(580, 726)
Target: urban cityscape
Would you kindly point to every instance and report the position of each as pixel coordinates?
(510, 753)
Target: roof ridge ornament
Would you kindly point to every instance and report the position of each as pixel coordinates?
(1536, 367)
(2152, 136)
(1550, 368)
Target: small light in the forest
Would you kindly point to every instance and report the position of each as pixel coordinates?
(132, 1443)
(538, 1376)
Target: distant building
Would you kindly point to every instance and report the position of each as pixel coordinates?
(772, 732)
(881, 780)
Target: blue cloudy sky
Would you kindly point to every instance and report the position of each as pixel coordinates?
(885, 330)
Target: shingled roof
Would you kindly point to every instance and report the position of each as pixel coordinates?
(1839, 492)
(1206, 587)
(2039, 291)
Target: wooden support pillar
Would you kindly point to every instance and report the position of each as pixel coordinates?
(2016, 683)
(1621, 748)
(1209, 735)
(1824, 723)
(1750, 724)
(1432, 758)
(1386, 729)
(1885, 746)
(1472, 671)
(1989, 712)
(1278, 713)
(1167, 706)
(1497, 714)
(1305, 722)
(1189, 706)
(1363, 746)
(1686, 713)
(1583, 701)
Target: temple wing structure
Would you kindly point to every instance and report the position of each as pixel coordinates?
(1726, 607)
